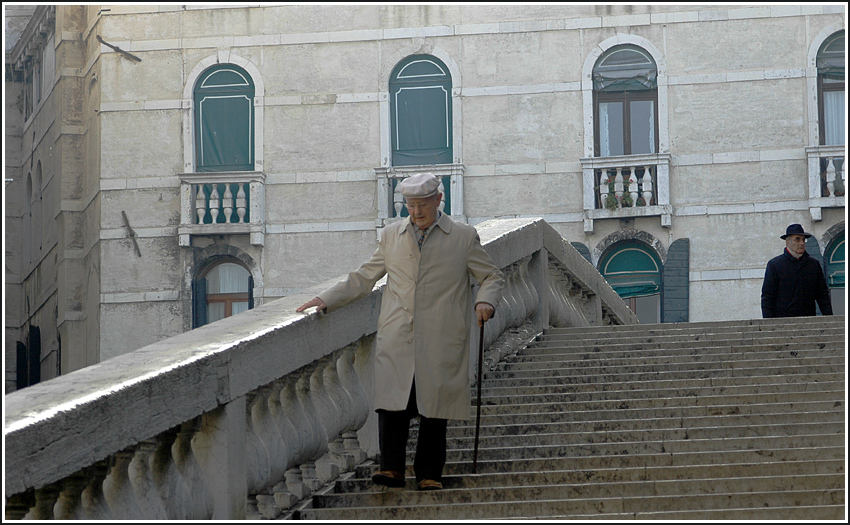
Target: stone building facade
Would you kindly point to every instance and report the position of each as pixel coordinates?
(170, 165)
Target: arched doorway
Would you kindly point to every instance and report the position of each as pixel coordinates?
(634, 271)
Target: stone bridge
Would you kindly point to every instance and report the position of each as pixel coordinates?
(249, 415)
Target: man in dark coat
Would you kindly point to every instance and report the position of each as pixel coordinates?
(794, 281)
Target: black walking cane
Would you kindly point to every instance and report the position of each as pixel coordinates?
(478, 416)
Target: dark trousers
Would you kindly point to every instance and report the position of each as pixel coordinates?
(393, 431)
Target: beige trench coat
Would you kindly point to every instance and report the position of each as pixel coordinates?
(426, 314)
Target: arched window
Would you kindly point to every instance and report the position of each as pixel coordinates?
(831, 104)
(421, 112)
(834, 261)
(224, 289)
(634, 271)
(625, 102)
(28, 227)
(224, 120)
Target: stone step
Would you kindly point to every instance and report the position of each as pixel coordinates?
(662, 334)
(673, 365)
(833, 380)
(833, 454)
(768, 325)
(529, 505)
(566, 376)
(674, 407)
(522, 428)
(663, 434)
(593, 392)
(718, 346)
(674, 352)
(641, 446)
(572, 484)
(692, 421)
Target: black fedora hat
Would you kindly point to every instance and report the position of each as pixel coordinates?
(795, 229)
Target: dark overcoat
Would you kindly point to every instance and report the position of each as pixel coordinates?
(792, 287)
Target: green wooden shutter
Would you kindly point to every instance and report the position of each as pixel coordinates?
(675, 283)
(421, 112)
(199, 302)
(224, 120)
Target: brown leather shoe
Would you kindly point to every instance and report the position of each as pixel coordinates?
(389, 478)
(429, 484)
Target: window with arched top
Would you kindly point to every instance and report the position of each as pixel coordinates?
(223, 290)
(634, 271)
(625, 102)
(831, 93)
(224, 120)
(420, 89)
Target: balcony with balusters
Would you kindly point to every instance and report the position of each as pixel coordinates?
(827, 178)
(222, 204)
(391, 202)
(626, 186)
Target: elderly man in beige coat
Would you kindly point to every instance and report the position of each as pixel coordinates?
(422, 353)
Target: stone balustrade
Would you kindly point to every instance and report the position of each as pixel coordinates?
(246, 416)
(626, 186)
(827, 179)
(222, 203)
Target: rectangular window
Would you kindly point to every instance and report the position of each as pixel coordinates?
(833, 115)
(642, 126)
(611, 140)
(626, 123)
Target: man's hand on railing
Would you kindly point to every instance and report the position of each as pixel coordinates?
(315, 301)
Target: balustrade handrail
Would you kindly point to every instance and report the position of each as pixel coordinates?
(68, 424)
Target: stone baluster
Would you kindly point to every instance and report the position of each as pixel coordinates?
(200, 203)
(534, 295)
(442, 190)
(117, 489)
(92, 499)
(200, 501)
(603, 188)
(173, 491)
(327, 414)
(45, 500)
(633, 187)
(830, 177)
(398, 200)
(295, 415)
(69, 503)
(141, 476)
(227, 203)
(18, 505)
(215, 202)
(316, 438)
(514, 315)
(618, 187)
(241, 203)
(265, 415)
(646, 186)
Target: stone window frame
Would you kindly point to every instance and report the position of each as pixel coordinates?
(223, 57)
(660, 160)
(386, 170)
(815, 152)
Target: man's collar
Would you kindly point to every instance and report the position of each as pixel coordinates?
(443, 221)
(802, 256)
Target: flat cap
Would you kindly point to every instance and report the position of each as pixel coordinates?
(419, 186)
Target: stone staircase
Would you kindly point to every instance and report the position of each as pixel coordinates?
(740, 420)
